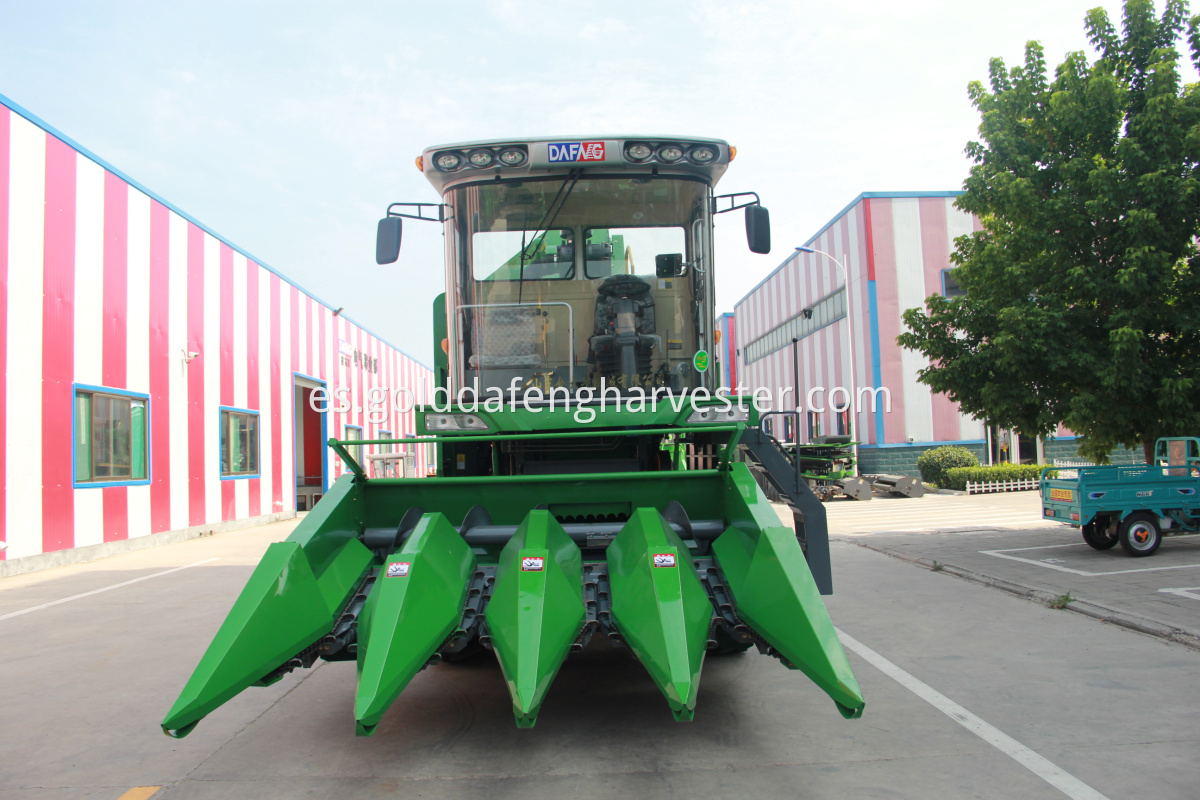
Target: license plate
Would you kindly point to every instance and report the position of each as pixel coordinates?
(1065, 495)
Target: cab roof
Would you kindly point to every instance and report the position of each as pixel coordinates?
(468, 162)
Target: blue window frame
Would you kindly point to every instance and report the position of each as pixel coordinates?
(239, 443)
(110, 439)
(814, 425)
(950, 286)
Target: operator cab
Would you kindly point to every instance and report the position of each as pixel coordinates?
(579, 264)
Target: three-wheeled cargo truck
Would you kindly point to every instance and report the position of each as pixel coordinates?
(1133, 505)
(574, 338)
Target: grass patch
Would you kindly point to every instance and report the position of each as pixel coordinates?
(1062, 601)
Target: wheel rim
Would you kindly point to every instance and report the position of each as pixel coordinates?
(1141, 536)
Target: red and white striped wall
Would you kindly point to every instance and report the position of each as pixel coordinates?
(104, 284)
(894, 247)
(727, 350)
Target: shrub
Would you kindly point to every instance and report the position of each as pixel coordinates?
(934, 463)
(957, 477)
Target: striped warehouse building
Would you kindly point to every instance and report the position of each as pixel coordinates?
(155, 375)
(896, 250)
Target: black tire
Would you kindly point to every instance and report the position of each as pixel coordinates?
(1096, 534)
(1139, 534)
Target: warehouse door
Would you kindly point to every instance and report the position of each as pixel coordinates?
(309, 438)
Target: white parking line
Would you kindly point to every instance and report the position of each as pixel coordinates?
(973, 530)
(1188, 592)
(949, 526)
(974, 514)
(926, 524)
(1004, 554)
(31, 609)
(1051, 773)
(934, 511)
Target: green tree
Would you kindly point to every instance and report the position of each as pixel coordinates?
(1082, 291)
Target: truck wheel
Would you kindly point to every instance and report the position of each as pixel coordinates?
(1140, 535)
(1096, 535)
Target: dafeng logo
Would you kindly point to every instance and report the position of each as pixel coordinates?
(582, 400)
(564, 152)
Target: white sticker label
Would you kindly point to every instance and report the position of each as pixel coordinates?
(664, 559)
(532, 564)
(399, 569)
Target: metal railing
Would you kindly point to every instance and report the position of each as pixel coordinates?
(1069, 468)
(340, 446)
(1018, 485)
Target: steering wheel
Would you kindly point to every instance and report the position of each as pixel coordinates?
(623, 286)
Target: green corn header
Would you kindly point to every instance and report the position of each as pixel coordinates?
(589, 479)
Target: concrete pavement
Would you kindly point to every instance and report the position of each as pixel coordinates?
(84, 684)
(1002, 538)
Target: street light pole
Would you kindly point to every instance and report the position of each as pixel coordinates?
(849, 343)
(796, 419)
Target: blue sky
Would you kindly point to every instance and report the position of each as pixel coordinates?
(289, 127)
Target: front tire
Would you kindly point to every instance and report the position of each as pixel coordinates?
(1095, 533)
(1140, 535)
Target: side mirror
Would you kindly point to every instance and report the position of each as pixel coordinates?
(758, 229)
(668, 265)
(387, 240)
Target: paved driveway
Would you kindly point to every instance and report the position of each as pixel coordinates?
(1002, 537)
(970, 693)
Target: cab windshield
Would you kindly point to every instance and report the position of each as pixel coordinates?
(597, 282)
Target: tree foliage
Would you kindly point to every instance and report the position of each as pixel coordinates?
(1082, 291)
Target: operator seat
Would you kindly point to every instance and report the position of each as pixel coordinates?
(624, 339)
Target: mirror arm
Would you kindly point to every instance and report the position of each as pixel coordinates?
(734, 205)
(420, 209)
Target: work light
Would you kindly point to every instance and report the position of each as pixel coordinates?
(481, 158)
(638, 152)
(711, 414)
(512, 157)
(454, 422)
(670, 153)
